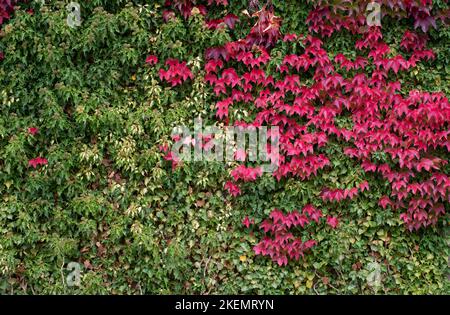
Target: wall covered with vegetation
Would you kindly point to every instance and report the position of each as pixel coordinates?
(86, 119)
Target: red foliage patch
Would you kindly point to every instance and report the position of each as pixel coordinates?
(411, 129)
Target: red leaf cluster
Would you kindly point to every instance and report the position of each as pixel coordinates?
(411, 130)
(151, 60)
(37, 161)
(177, 72)
(328, 17)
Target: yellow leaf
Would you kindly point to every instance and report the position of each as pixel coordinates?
(243, 258)
(133, 77)
(309, 284)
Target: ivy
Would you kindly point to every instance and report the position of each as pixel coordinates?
(85, 134)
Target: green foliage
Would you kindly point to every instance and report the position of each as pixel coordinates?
(109, 201)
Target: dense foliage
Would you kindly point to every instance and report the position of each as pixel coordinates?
(86, 125)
